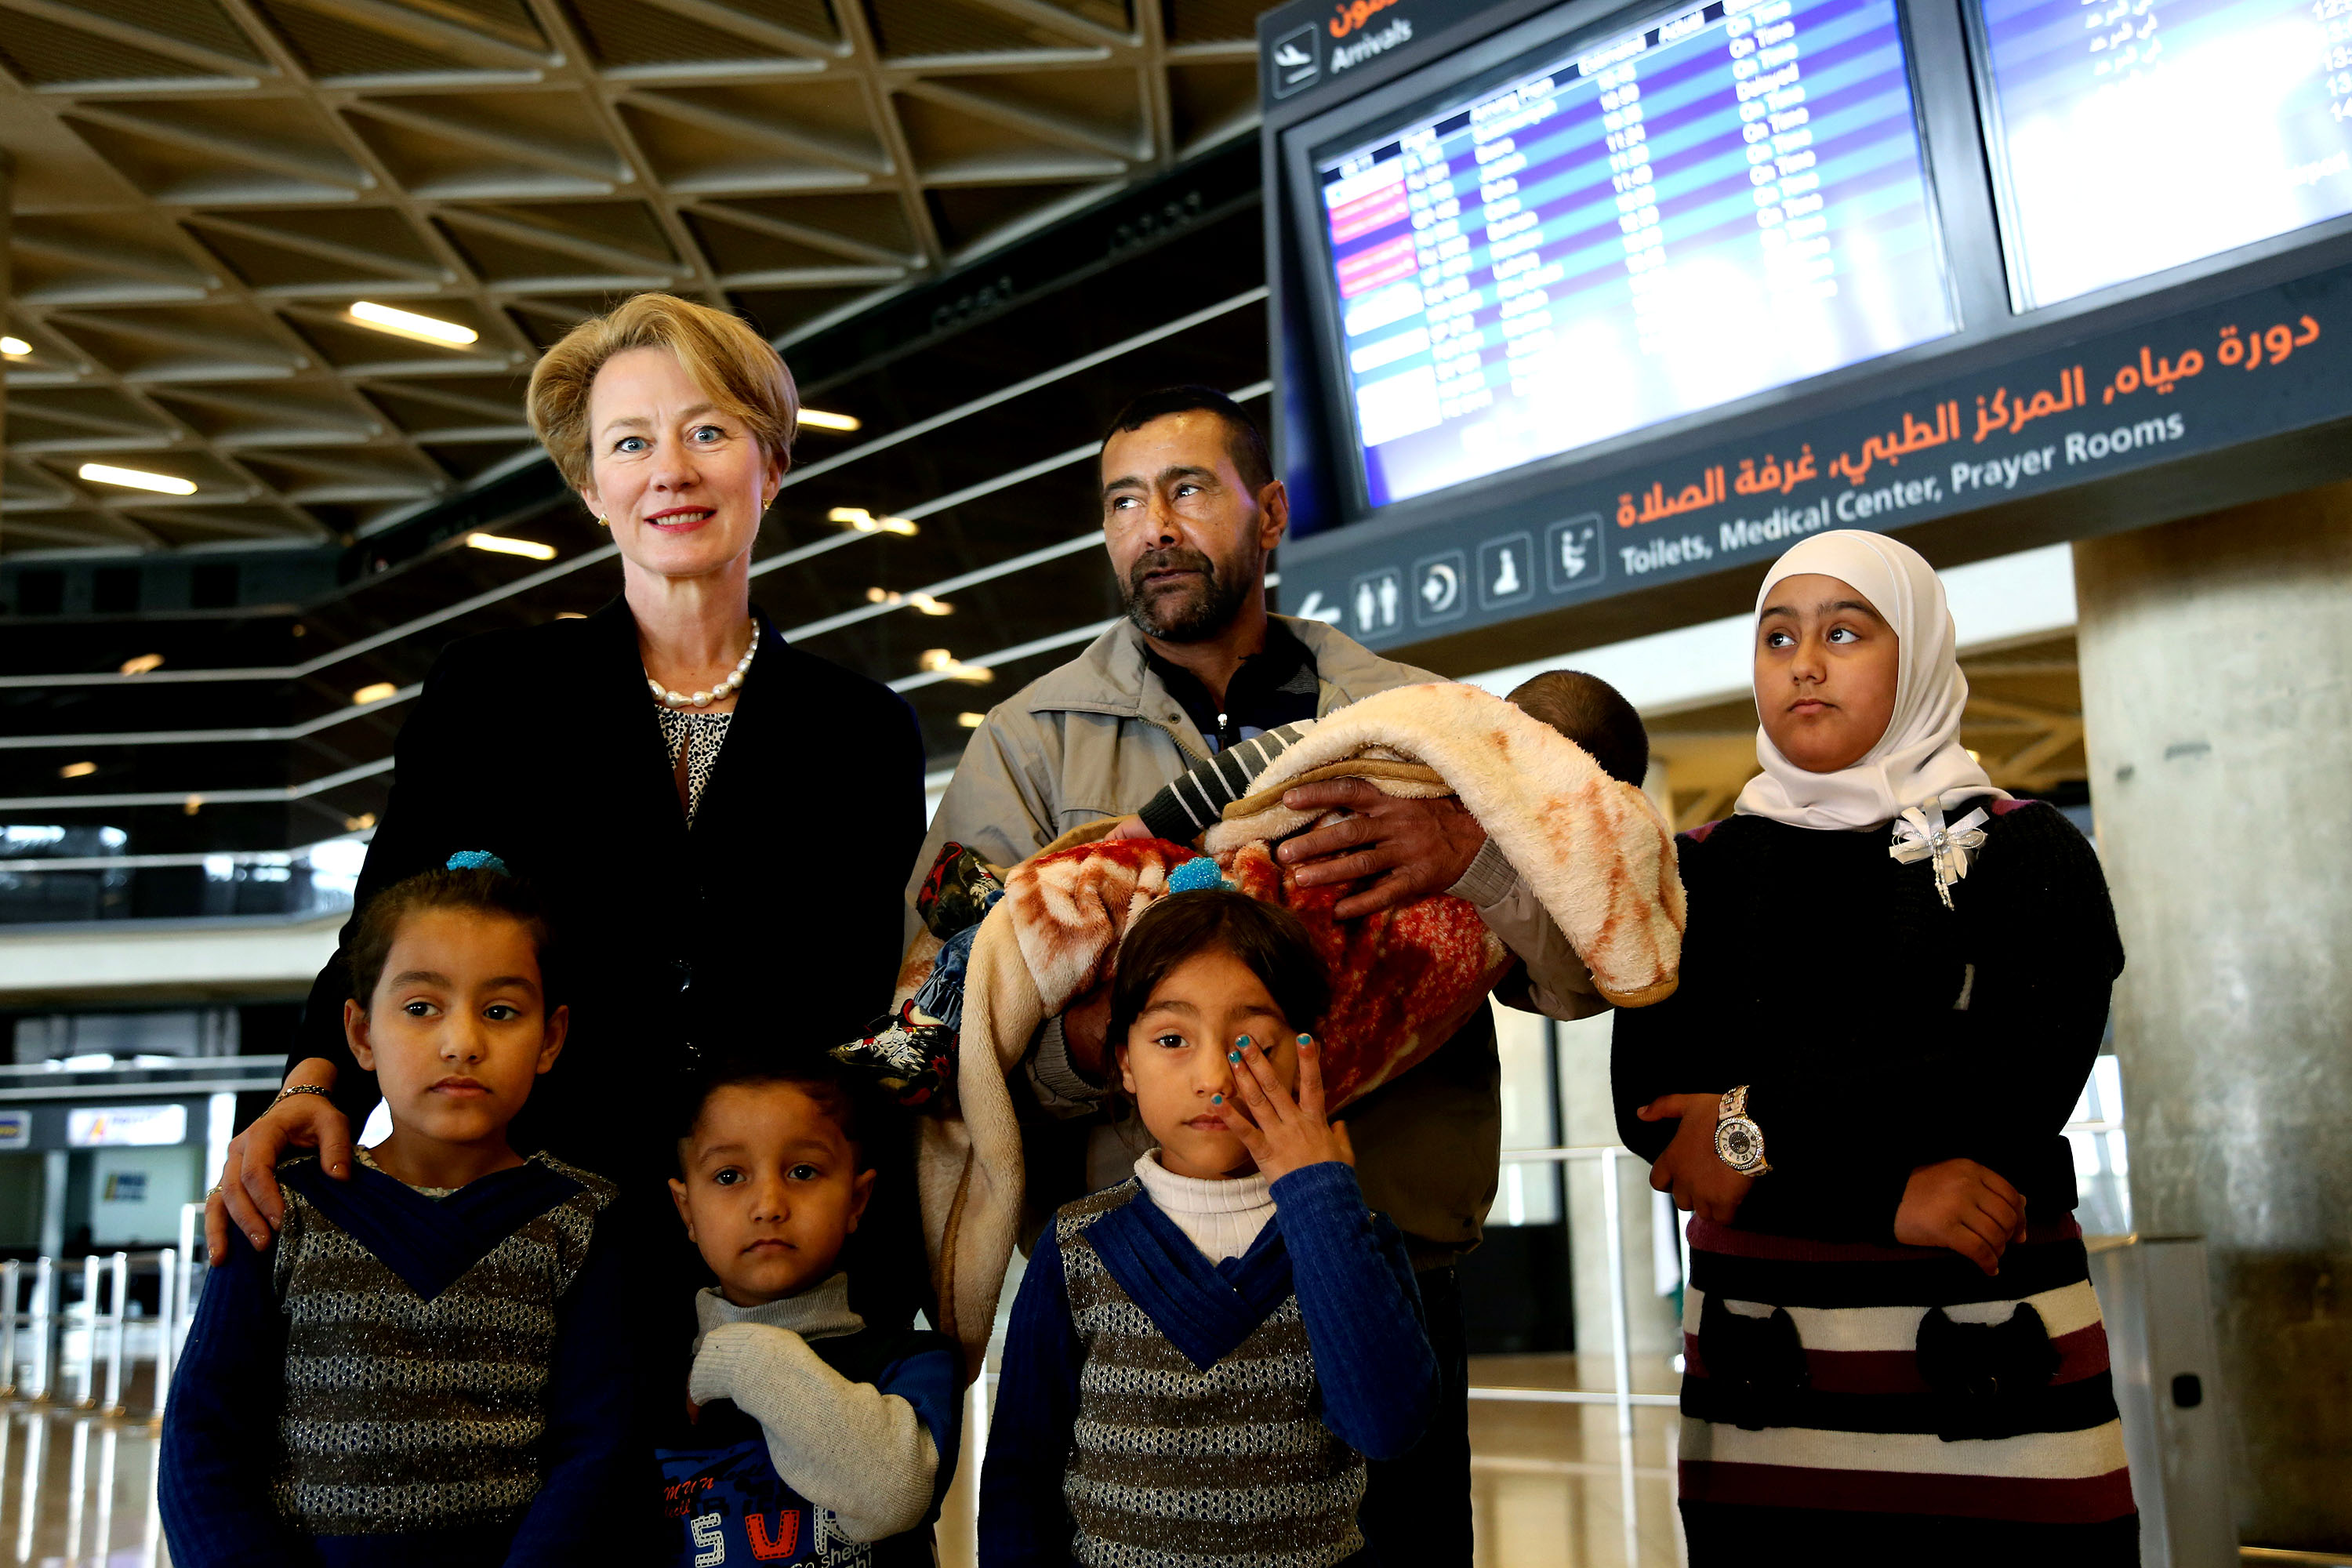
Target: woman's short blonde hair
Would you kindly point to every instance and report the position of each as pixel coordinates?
(742, 375)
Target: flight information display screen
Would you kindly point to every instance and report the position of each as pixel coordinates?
(1727, 201)
(2134, 135)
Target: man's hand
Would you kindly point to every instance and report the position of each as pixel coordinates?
(1963, 1205)
(1690, 1168)
(1283, 1134)
(1414, 848)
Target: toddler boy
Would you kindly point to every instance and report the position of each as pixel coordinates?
(808, 1436)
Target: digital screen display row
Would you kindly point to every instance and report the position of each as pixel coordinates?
(2136, 135)
(1726, 202)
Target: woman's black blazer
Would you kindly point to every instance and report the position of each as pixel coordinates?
(773, 924)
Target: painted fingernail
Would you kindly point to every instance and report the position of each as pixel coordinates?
(1305, 1039)
(1216, 1099)
(1233, 1055)
(1243, 1042)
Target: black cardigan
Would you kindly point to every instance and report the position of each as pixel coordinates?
(1829, 978)
(781, 905)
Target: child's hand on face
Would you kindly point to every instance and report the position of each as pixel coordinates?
(1283, 1134)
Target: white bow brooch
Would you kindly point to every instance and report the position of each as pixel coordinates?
(1920, 833)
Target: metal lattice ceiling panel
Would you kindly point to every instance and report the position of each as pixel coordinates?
(202, 188)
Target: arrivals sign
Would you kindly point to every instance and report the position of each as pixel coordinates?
(2262, 363)
(1311, 44)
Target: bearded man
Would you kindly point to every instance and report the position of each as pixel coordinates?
(1191, 514)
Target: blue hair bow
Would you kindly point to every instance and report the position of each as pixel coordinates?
(1195, 875)
(477, 860)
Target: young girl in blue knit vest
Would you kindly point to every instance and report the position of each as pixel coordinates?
(1201, 1358)
(420, 1369)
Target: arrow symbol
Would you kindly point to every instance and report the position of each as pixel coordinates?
(1315, 609)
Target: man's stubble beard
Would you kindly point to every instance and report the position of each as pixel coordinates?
(1193, 617)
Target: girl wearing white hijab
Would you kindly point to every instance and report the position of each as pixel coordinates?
(1893, 983)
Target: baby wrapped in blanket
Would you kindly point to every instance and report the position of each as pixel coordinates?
(1592, 852)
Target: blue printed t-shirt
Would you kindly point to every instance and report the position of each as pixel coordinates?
(730, 1507)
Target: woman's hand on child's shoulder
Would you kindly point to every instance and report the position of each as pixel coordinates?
(1284, 1134)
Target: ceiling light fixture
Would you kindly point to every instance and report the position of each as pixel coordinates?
(136, 479)
(503, 546)
(940, 661)
(193, 805)
(77, 770)
(376, 693)
(865, 522)
(923, 603)
(409, 324)
(18, 348)
(819, 418)
(143, 664)
(360, 823)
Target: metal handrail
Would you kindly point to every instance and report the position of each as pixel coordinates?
(30, 1331)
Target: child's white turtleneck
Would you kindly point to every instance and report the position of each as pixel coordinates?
(1223, 1218)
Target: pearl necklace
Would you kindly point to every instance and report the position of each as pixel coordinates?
(719, 693)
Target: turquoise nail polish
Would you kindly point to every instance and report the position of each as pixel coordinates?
(1216, 1099)
(1244, 1042)
(1233, 1055)
(1305, 1039)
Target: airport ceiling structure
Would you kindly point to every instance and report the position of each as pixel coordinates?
(203, 189)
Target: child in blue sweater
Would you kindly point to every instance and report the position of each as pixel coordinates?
(1201, 1358)
(420, 1367)
(806, 1436)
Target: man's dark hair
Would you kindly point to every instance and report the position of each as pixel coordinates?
(1593, 714)
(1244, 443)
(1271, 943)
(842, 1095)
(478, 889)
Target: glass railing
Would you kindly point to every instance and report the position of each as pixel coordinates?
(40, 885)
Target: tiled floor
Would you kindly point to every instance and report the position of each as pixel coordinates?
(1553, 1485)
(75, 1490)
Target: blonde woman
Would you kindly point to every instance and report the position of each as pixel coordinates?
(701, 802)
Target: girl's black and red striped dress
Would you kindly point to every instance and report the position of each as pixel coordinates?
(1845, 1395)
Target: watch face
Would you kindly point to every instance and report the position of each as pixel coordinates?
(1737, 1142)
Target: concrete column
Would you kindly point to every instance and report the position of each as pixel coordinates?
(56, 1174)
(2217, 697)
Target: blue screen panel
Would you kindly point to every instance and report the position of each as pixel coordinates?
(2139, 134)
(1724, 203)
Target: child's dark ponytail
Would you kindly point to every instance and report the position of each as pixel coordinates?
(472, 879)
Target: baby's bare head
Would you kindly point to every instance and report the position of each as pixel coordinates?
(1593, 714)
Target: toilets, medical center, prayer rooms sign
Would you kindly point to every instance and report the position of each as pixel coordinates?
(2259, 365)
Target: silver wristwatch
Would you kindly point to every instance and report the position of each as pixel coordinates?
(1738, 1141)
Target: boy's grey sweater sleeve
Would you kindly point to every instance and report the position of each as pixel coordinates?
(847, 1446)
(1559, 983)
(1195, 801)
